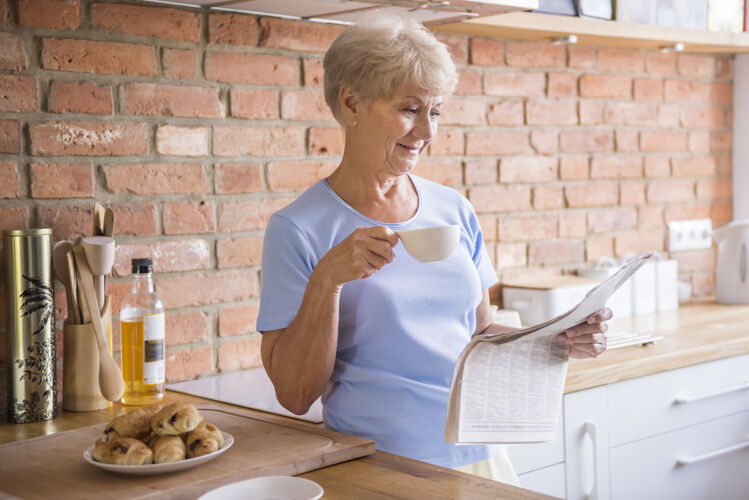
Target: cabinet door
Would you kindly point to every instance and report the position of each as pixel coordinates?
(586, 444)
(527, 457)
(549, 481)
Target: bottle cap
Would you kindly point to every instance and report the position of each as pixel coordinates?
(141, 266)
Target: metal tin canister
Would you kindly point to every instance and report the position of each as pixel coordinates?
(30, 328)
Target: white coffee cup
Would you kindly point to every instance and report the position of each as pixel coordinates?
(431, 243)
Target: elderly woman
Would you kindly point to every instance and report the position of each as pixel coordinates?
(345, 312)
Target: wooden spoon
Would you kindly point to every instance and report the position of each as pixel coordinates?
(98, 220)
(111, 383)
(99, 252)
(73, 287)
(108, 223)
(60, 261)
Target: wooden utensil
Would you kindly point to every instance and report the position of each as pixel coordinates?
(98, 220)
(110, 377)
(60, 263)
(99, 252)
(70, 268)
(108, 223)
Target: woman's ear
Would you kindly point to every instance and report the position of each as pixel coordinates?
(350, 105)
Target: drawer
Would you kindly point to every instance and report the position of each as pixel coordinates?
(549, 480)
(669, 400)
(529, 457)
(650, 469)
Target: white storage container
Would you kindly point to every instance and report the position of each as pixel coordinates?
(620, 301)
(540, 299)
(643, 289)
(666, 285)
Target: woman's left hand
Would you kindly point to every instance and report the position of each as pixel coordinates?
(588, 339)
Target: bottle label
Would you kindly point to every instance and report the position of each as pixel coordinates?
(153, 349)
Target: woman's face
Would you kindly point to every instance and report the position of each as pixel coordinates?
(397, 130)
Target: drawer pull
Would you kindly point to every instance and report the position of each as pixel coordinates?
(591, 430)
(712, 454)
(698, 397)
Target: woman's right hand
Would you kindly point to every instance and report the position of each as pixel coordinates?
(364, 252)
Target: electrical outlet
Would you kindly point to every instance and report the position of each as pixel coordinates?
(690, 234)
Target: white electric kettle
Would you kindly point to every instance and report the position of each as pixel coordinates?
(732, 278)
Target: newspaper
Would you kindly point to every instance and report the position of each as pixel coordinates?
(508, 387)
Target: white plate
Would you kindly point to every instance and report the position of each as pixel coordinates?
(143, 470)
(267, 488)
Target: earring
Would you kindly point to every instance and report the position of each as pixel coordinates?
(355, 123)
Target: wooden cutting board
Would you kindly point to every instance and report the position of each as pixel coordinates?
(53, 466)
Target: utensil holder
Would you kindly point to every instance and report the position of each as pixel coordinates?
(80, 386)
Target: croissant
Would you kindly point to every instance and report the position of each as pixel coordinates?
(166, 448)
(176, 418)
(122, 451)
(135, 424)
(205, 439)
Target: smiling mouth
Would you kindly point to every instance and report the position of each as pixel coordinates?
(410, 148)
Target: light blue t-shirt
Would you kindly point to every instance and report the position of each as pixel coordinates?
(400, 331)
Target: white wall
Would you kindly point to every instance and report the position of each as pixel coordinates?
(741, 137)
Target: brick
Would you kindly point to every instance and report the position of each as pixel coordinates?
(261, 141)
(562, 84)
(463, 112)
(187, 327)
(581, 57)
(500, 198)
(721, 212)
(527, 227)
(324, 141)
(573, 168)
(656, 140)
(440, 170)
(168, 256)
(699, 142)
(239, 252)
(702, 116)
(179, 64)
(724, 165)
(487, 52)
(297, 175)
(685, 212)
(511, 255)
(304, 105)
(545, 141)
(641, 241)
(544, 253)
(238, 320)
(240, 355)
(632, 193)
(724, 67)
(233, 178)
(506, 113)
(668, 115)
(696, 66)
(67, 221)
(146, 21)
(4, 8)
(182, 141)
(562, 112)
(254, 104)
(615, 167)
(648, 89)
(548, 197)
(457, 46)
(586, 140)
(496, 143)
(599, 246)
(686, 91)
(535, 55)
(627, 140)
(297, 35)
(248, 215)
(668, 191)
(603, 85)
(10, 136)
(591, 112)
(722, 93)
(715, 189)
(481, 171)
(188, 364)
(488, 225)
(572, 224)
(79, 97)
(233, 29)
(9, 187)
(469, 82)
(631, 113)
(86, 56)
(14, 218)
(88, 138)
(13, 56)
(601, 193)
(137, 219)
(606, 221)
(258, 69)
(649, 217)
(721, 140)
(620, 60)
(184, 217)
(183, 291)
(504, 83)
(528, 169)
(446, 142)
(170, 100)
(657, 166)
(62, 180)
(693, 166)
(18, 94)
(49, 14)
(660, 63)
(156, 178)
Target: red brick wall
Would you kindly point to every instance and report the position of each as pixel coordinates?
(195, 127)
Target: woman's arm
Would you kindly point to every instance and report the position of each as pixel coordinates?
(484, 323)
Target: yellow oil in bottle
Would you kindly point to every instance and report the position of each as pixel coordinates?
(136, 391)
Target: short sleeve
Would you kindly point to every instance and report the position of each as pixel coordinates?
(287, 264)
(479, 253)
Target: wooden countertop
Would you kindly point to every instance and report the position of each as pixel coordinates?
(377, 476)
(695, 333)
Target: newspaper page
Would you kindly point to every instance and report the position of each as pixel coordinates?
(508, 387)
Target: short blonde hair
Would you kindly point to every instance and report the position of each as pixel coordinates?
(382, 55)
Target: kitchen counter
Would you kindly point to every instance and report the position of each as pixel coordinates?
(700, 331)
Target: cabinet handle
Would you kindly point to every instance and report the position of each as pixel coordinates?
(690, 399)
(592, 430)
(712, 454)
